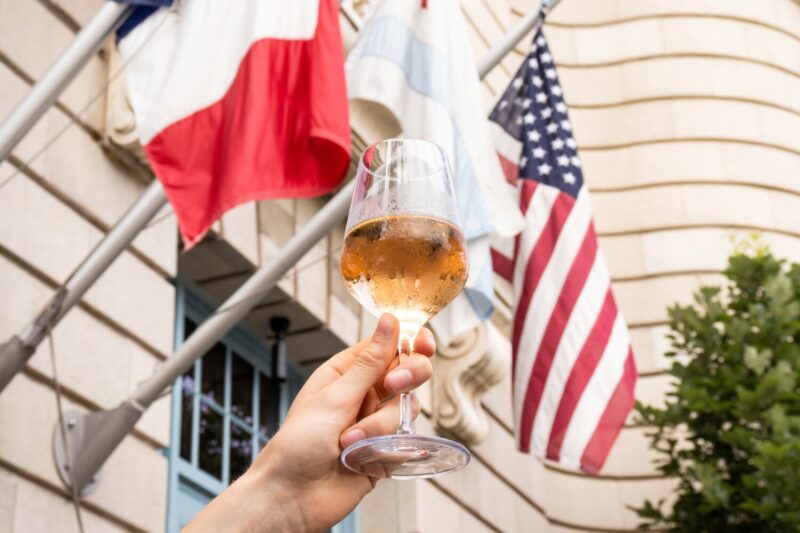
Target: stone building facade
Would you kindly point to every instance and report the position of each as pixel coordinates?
(687, 115)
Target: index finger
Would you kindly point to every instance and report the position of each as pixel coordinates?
(424, 342)
(333, 368)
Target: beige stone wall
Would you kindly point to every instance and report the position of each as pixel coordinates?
(51, 215)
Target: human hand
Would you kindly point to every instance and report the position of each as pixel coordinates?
(297, 482)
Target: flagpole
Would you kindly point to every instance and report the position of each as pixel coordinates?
(529, 22)
(94, 437)
(17, 350)
(45, 91)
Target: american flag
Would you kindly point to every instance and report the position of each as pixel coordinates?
(573, 368)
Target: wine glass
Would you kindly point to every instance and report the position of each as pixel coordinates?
(404, 253)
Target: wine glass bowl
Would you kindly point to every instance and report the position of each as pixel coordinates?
(409, 265)
(404, 253)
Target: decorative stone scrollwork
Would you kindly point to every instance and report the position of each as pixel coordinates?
(464, 371)
(120, 135)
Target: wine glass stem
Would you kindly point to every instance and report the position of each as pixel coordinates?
(406, 426)
(405, 346)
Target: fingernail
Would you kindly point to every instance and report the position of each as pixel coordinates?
(354, 435)
(385, 324)
(398, 380)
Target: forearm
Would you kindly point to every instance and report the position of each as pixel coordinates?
(254, 503)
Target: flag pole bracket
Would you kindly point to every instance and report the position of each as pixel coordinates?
(90, 440)
(78, 429)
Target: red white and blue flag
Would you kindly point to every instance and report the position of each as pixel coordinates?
(237, 101)
(573, 368)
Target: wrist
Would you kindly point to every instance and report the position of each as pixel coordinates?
(279, 498)
(254, 503)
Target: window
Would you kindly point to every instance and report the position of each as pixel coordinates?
(224, 409)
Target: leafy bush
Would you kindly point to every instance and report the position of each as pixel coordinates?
(730, 430)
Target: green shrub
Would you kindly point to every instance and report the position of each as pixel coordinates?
(730, 430)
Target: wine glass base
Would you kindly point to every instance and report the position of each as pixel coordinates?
(405, 456)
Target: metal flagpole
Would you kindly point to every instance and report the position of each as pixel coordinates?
(16, 352)
(55, 80)
(93, 437)
(529, 22)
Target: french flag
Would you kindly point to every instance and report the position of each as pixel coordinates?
(237, 101)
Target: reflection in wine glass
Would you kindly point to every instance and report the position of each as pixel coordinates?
(404, 253)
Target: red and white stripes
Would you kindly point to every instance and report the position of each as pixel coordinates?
(573, 369)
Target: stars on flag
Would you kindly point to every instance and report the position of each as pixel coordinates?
(533, 110)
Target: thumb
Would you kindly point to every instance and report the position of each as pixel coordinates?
(372, 361)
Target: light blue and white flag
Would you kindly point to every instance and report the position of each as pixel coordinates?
(415, 60)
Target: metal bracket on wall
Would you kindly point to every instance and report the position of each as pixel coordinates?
(77, 426)
(87, 436)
